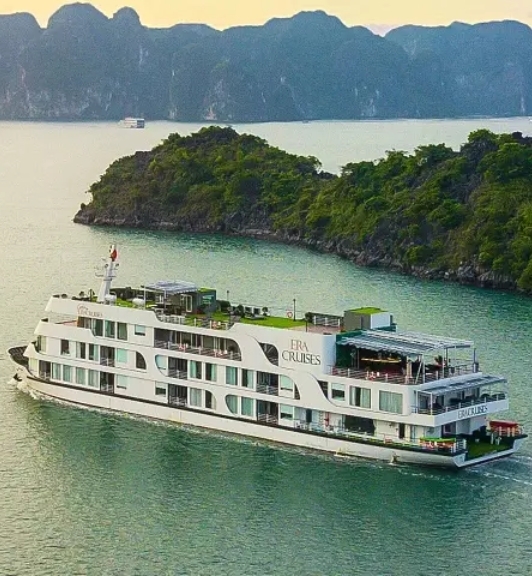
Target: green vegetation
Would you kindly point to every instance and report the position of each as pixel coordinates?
(274, 322)
(477, 450)
(435, 211)
(367, 310)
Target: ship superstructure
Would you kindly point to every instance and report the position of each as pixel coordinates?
(350, 384)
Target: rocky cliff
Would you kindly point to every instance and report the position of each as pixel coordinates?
(464, 216)
(84, 65)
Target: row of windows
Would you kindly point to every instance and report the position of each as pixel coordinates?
(361, 397)
(110, 329)
(240, 405)
(104, 354)
(75, 375)
(230, 375)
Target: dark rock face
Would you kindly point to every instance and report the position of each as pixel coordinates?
(87, 66)
(258, 226)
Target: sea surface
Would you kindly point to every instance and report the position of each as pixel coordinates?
(90, 493)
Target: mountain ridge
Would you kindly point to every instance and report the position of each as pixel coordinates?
(86, 66)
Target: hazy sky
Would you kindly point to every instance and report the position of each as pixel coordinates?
(225, 13)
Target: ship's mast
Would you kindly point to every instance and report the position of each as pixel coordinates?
(108, 273)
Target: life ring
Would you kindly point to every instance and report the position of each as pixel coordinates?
(289, 314)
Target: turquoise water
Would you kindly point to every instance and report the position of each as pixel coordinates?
(88, 493)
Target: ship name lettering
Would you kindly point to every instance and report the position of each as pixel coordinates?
(472, 411)
(300, 354)
(84, 311)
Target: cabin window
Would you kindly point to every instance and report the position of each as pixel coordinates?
(210, 372)
(196, 397)
(232, 403)
(286, 383)
(161, 362)
(56, 371)
(121, 381)
(195, 369)
(40, 344)
(390, 402)
(93, 380)
(287, 412)
(231, 375)
(246, 407)
(140, 330)
(210, 402)
(93, 352)
(122, 331)
(81, 350)
(65, 347)
(324, 388)
(160, 389)
(248, 379)
(121, 356)
(109, 329)
(338, 391)
(98, 327)
(67, 373)
(80, 376)
(360, 397)
(140, 362)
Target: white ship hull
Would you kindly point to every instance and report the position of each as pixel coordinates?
(273, 434)
(321, 383)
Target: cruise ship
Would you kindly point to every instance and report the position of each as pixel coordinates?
(131, 122)
(349, 384)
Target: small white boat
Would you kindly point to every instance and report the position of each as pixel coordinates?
(131, 122)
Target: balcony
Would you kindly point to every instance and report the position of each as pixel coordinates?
(459, 405)
(194, 321)
(487, 404)
(177, 401)
(188, 349)
(265, 389)
(270, 419)
(174, 373)
(447, 446)
(395, 378)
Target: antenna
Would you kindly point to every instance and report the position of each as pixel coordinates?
(107, 272)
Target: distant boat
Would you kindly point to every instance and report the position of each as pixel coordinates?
(130, 122)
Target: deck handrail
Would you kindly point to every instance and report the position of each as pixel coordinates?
(265, 389)
(447, 372)
(496, 397)
(202, 350)
(446, 446)
(268, 419)
(194, 321)
(181, 374)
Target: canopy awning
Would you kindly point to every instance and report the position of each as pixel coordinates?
(462, 383)
(171, 288)
(404, 343)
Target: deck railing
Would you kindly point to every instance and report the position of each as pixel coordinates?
(187, 348)
(177, 401)
(174, 373)
(268, 419)
(193, 321)
(265, 389)
(452, 407)
(380, 376)
(446, 446)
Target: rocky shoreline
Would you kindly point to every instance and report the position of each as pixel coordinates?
(468, 273)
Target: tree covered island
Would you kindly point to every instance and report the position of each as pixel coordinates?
(461, 215)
